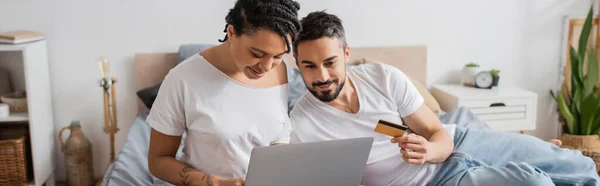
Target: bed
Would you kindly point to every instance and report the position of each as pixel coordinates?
(130, 166)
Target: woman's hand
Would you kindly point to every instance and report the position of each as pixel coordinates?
(231, 182)
(414, 148)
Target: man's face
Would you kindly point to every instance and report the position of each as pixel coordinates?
(322, 63)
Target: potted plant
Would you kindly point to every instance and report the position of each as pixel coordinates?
(469, 72)
(579, 104)
(495, 77)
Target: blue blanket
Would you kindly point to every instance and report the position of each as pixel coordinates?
(131, 164)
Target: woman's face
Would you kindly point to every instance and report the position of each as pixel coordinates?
(258, 52)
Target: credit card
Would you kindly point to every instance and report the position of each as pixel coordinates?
(390, 129)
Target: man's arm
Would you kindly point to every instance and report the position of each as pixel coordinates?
(431, 141)
(163, 165)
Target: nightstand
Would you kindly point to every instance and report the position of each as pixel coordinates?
(504, 109)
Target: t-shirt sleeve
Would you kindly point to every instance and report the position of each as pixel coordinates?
(167, 114)
(285, 134)
(403, 92)
(294, 138)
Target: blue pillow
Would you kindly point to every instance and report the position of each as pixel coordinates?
(188, 50)
(296, 87)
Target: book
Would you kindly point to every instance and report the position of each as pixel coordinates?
(20, 36)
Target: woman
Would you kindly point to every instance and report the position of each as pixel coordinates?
(228, 99)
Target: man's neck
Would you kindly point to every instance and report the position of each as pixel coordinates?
(347, 100)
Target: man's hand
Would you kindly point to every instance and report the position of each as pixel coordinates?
(414, 148)
(232, 182)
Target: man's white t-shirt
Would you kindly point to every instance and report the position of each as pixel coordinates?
(223, 119)
(384, 92)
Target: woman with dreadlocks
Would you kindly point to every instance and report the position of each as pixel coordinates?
(228, 99)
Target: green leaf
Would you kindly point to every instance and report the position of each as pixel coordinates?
(565, 92)
(596, 124)
(577, 99)
(575, 108)
(580, 63)
(564, 111)
(552, 94)
(588, 114)
(575, 78)
(585, 33)
(592, 75)
(596, 127)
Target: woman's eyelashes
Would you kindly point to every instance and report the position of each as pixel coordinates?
(256, 55)
(263, 55)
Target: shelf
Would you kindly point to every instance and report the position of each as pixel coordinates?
(15, 117)
(28, 66)
(17, 47)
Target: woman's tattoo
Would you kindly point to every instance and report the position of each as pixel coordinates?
(186, 180)
(184, 175)
(208, 179)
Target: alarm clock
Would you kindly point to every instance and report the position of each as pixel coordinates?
(484, 80)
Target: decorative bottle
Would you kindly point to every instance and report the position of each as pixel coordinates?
(78, 156)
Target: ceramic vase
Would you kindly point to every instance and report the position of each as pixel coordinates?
(468, 75)
(78, 156)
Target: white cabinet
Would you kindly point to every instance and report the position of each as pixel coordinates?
(28, 65)
(505, 109)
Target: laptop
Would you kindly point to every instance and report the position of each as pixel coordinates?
(331, 163)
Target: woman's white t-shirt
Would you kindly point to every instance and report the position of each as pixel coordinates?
(223, 119)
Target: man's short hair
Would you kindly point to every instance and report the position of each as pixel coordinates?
(320, 24)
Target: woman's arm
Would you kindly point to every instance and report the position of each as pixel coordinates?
(163, 165)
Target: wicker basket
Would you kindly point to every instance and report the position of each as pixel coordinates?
(13, 165)
(589, 145)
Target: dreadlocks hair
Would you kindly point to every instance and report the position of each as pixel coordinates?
(280, 16)
(320, 24)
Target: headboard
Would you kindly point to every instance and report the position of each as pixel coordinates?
(151, 68)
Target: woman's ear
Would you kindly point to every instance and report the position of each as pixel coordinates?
(230, 32)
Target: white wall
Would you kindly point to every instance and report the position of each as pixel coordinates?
(521, 38)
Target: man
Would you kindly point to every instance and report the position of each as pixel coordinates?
(347, 102)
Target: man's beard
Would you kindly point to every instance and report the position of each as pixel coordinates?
(327, 96)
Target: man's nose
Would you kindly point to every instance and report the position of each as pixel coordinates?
(323, 75)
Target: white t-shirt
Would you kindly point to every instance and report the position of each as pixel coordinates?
(384, 92)
(223, 119)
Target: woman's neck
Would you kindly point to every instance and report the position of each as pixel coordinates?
(220, 57)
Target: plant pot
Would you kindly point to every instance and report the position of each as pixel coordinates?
(468, 75)
(495, 80)
(589, 145)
